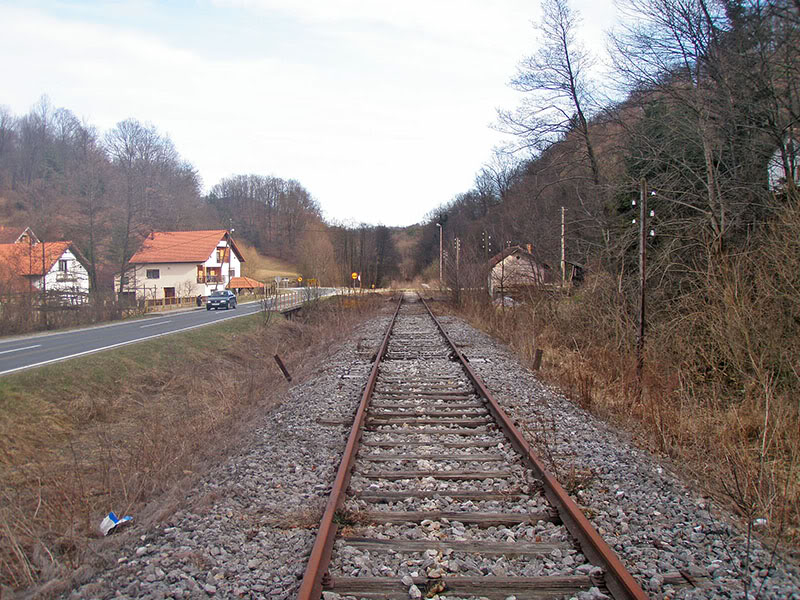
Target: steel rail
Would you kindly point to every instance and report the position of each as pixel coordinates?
(619, 582)
(311, 586)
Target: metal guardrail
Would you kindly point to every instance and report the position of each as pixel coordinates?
(289, 300)
(164, 303)
(285, 301)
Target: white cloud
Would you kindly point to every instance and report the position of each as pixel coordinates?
(450, 18)
(382, 112)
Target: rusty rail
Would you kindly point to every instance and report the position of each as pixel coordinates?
(619, 582)
(311, 586)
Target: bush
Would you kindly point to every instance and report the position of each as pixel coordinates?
(721, 378)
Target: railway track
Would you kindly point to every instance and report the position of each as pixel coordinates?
(438, 493)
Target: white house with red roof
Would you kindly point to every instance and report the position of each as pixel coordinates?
(181, 264)
(28, 264)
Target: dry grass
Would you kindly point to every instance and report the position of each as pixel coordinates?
(264, 268)
(124, 428)
(721, 377)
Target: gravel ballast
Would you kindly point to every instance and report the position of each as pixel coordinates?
(246, 530)
(653, 521)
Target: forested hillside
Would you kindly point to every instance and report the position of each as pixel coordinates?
(107, 190)
(706, 120)
(66, 180)
(709, 104)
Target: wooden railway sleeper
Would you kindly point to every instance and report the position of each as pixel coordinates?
(319, 575)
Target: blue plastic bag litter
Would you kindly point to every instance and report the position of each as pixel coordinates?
(112, 521)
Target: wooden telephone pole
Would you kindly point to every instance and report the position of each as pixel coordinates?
(441, 261)
(642, 279)
(563, 247)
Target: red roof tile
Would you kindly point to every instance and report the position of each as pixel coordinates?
(25, 259)
(181, 246)
(18, 261)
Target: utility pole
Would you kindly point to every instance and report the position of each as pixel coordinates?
(563, 247)
(439, 225)
(642, 279)
(457, 244)
(44, 289)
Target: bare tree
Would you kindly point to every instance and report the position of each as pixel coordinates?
(140, 157)
(316, 256)
(692, 66)
(493, 181)
(34, 132)
(271, 212)
(67, 137)
(92, 205)
(8, 133)
(557, 85)
(764, 59)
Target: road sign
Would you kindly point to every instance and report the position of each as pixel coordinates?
(354, 275)
(299, 279)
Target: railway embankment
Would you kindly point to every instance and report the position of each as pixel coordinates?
(132, 429)
(246, 527)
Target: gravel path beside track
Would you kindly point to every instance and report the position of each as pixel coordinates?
(246, 531)
(652, 520)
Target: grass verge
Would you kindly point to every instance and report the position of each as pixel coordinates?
(116, 430)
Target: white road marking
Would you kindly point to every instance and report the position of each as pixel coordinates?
(18, 349)
(254, 305)
(94, 350)
(155, 324)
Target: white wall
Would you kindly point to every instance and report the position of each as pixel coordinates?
(514, 270)
(776, 173)
(181, 276)
(75, 279)
(228, 271)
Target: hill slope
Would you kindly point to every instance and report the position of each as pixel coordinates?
(264, 268)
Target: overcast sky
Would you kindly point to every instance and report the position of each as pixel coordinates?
(382, 110)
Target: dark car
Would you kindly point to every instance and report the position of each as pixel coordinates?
(221, 299)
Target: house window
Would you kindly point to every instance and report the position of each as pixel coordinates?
(232, 272)
(221, 254)
(62, 266)
(153, 273)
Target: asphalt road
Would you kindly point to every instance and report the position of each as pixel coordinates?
(38, 350)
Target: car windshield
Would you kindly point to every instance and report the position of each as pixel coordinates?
(218, 294)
